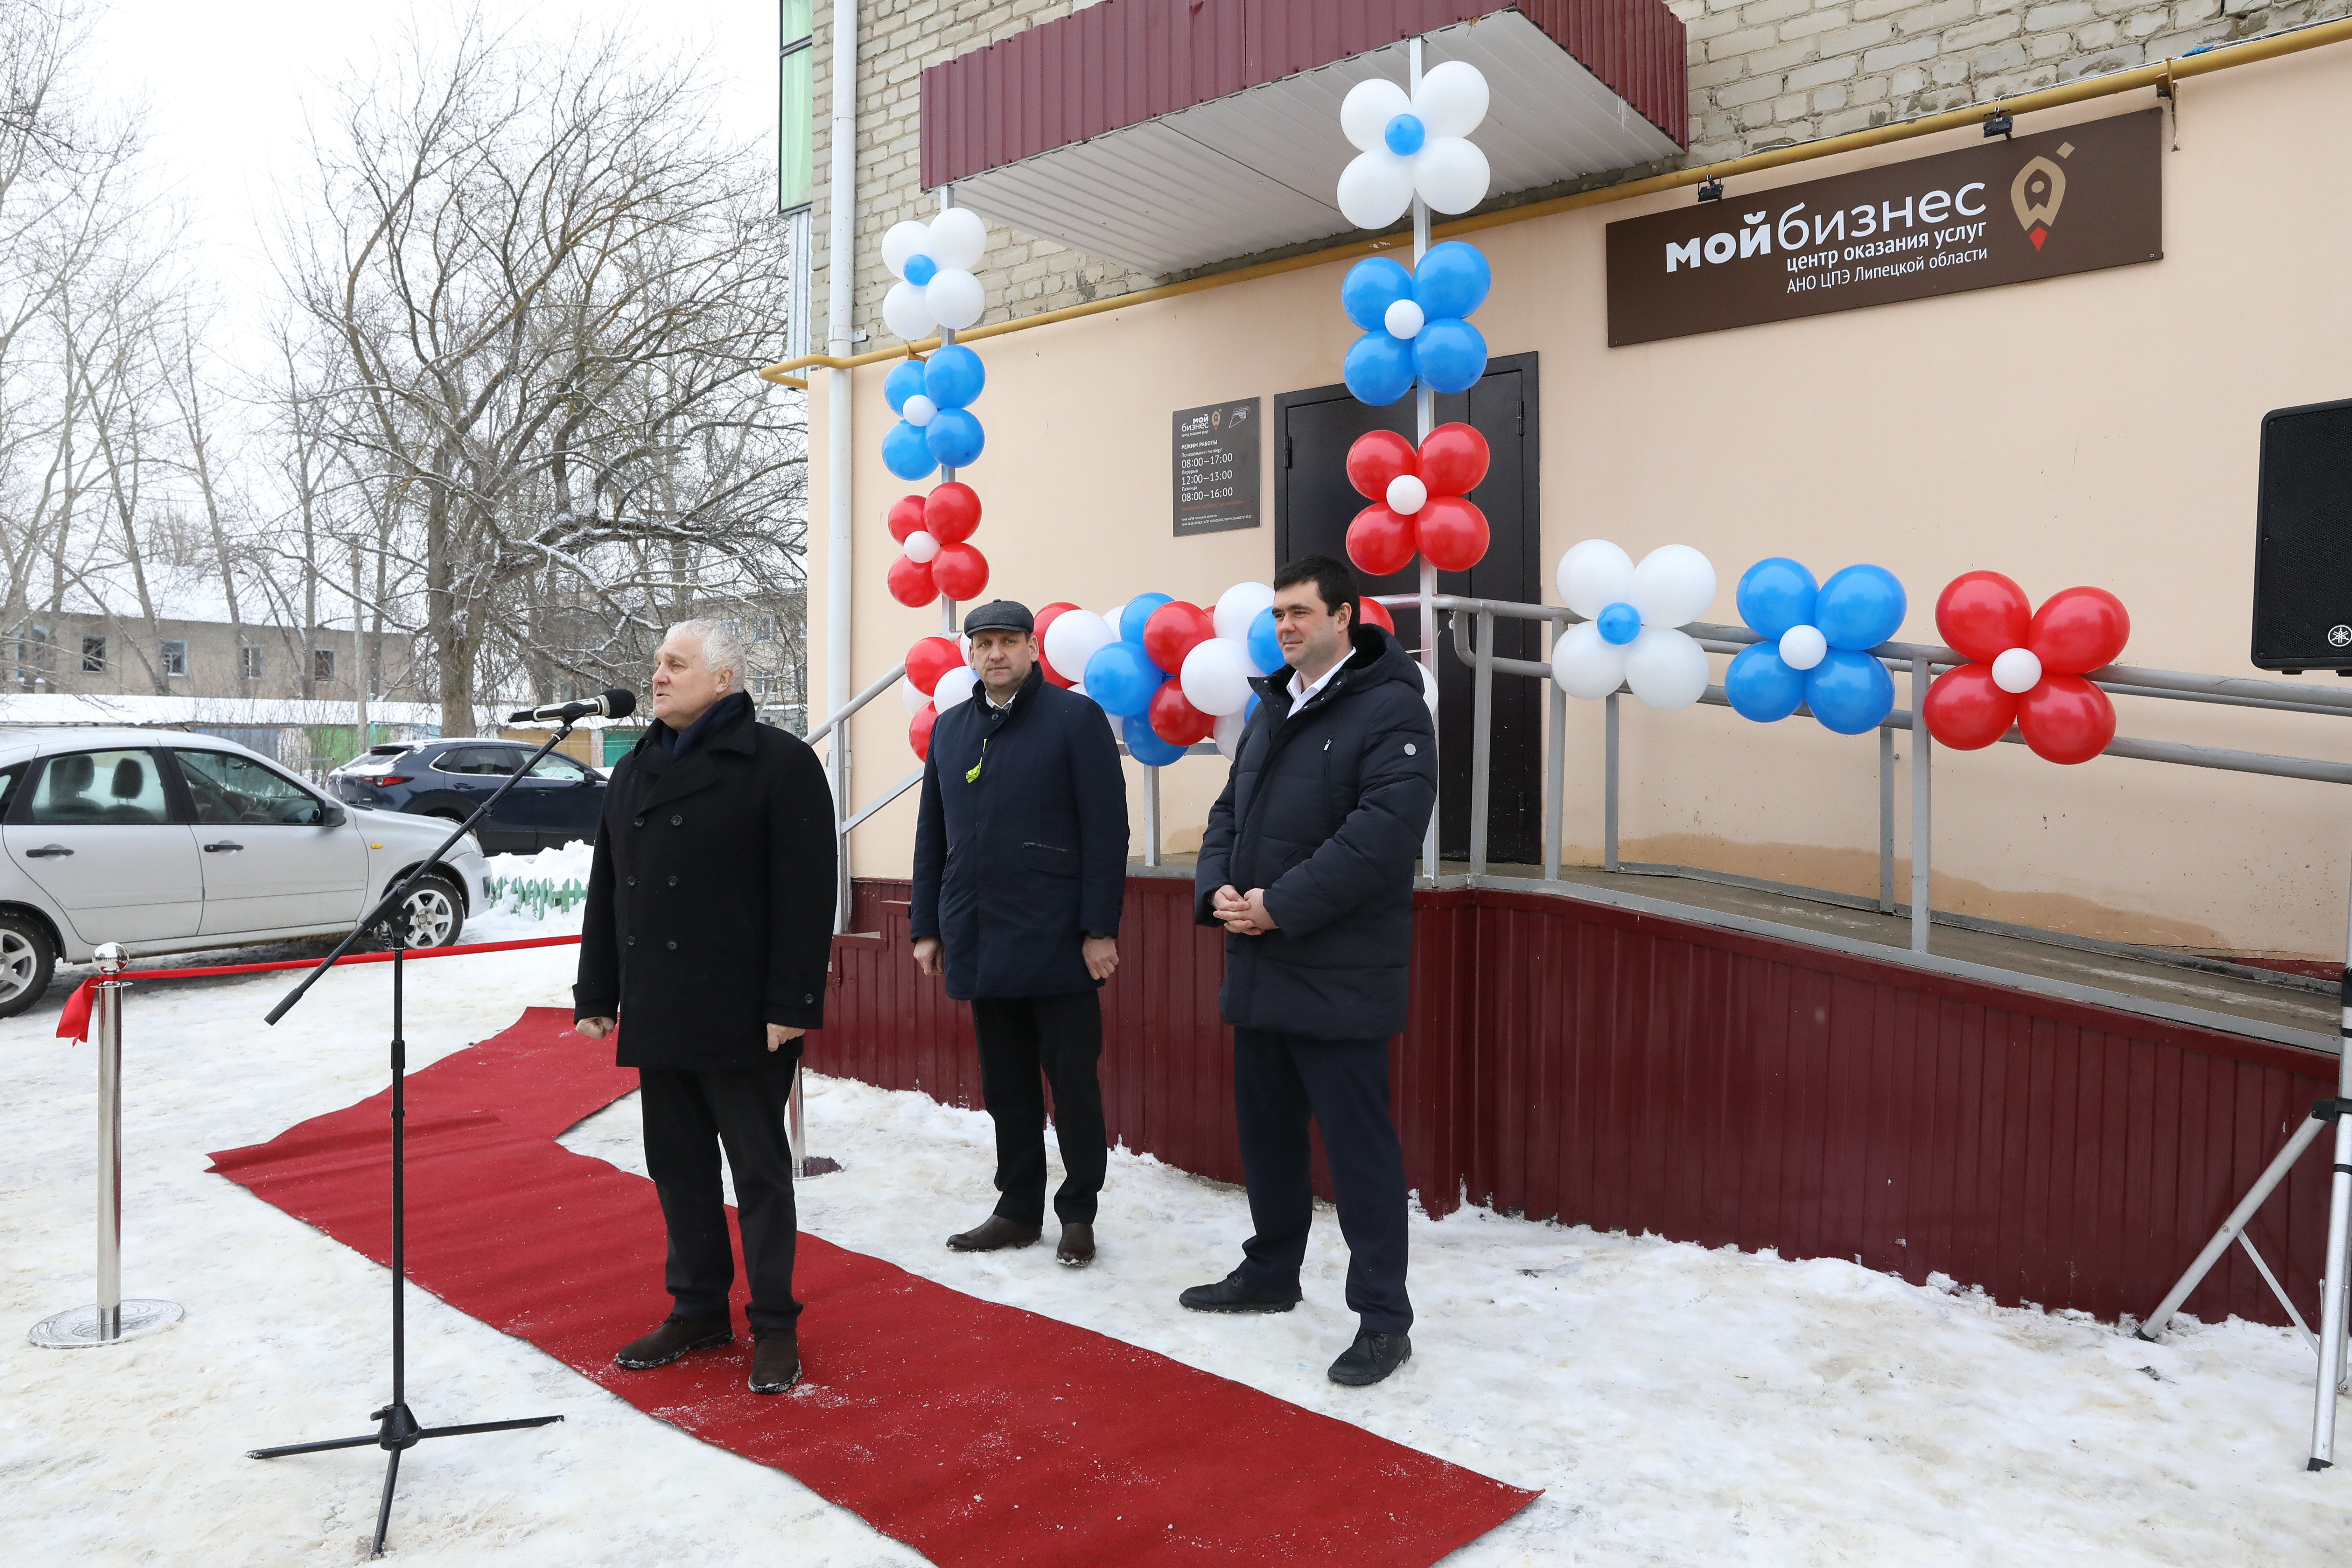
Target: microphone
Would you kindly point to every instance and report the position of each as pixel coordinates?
(613, 704)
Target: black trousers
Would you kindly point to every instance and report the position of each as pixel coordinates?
(690, 1114)
(1059, 1038)
(1281, 1080)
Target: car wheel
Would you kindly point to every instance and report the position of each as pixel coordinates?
(25, 964)
(435, 910)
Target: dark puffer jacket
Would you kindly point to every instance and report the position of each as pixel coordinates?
(1326, 811)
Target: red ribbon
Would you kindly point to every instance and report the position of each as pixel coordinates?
(73, 1024)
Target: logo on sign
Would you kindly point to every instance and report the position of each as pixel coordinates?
(2036, 192)
(2339, 636)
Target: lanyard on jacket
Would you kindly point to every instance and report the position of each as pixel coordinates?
(974, 776)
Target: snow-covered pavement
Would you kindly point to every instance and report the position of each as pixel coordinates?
(1679, 1405)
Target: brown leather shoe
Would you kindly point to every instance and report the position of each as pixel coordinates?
(775, 1361)
(1076, 1248)
(995, 1234)
(672, 1340)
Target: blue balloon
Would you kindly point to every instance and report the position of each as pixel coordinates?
(1450, 355)
(1860, 608)
(1404, 133)
(919, 271)
(1371, 285)
(1379, 368)
(905, 379)
(1775, 594)
(1264, 647)
(1120, 679)
(1848, 692)
(953, 378)
(1130, 620)
(1144, 745)
(955, 437)
(1619, 624)
(1451, 280)
(1760, 686)
(905, 453)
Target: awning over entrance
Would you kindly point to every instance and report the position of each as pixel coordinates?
(1172, 134)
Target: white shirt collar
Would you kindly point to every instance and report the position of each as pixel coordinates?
(1300, 690)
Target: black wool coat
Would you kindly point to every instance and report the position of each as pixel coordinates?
(1014, 864)
(709, 911)
(1325, 810)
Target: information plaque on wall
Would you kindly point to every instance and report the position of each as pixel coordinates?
(1216, 468)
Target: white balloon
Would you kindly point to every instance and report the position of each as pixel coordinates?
(904, 312)
(1406, 494)
(1404, 319)
(1428, 688)
(955, 297)
(1587, 664)
(1801, 647)
(955, 685)
(1452, 98)
(1375, 188)
(1228, 734)
(919, 411)
(1365, 112)
(959, 239)
(1666, 668)
(903, 240)
(1673, 586)
(913, 696)
(1215, 677)
(963, 646)
(2017, 671)
(1238, 606)
(922, 545)
(1075, 636)
(1592, 576)
(1451, 174)
(1111, 618)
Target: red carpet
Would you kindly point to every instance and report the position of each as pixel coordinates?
(975, 1433)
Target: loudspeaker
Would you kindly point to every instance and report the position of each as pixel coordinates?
(2303, 550)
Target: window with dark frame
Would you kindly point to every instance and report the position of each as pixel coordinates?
(795, 105)
(93, 656)
(175, 658)
(322, 667)
(249, 660)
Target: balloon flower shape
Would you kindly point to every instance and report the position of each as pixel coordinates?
(932, 530)
(1629, 636)
(1419, 500)
(933, 262)
(1413, 325)
(1413, 146)
(936, 424)
(1816, 656)
(2026, 667)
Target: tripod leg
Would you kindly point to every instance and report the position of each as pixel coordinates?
(2231, 1228)
(384, 1509)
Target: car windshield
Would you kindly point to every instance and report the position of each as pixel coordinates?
(229, 788)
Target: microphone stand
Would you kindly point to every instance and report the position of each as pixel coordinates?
(396, 1430)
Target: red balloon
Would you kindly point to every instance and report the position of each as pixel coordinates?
(1174, 718)
(1965, 711)
(2079, 629)
(918, 733)
(951, 513)
(929, 659)
(1378, 457)
(1175, 629)
(1045, 617)
(911, 584)
(1452, 461)
(906, 517)
(1453, 533)
(2067, 718)
(1983, 614)
(961, 570)
(1382, 543)
(1377, 614)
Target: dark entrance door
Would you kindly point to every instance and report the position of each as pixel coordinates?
(1314, 503)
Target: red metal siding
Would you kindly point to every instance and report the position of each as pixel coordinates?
(1121, 62)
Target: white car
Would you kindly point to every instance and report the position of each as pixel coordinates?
(165, 841)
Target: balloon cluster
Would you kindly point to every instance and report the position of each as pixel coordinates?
(932, 530)
(1630, 634)
(1420, 499)
(936, 425)
(938, 675)
(2026, 667)
(1414, 145)
(1413, 322)
(933, 262)
(1817, 653)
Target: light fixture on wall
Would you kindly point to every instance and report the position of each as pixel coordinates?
(1712, 190)
(2000, 124)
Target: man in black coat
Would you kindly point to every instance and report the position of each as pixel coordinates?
(1020, 872)
(1307, 863)
(708, 934)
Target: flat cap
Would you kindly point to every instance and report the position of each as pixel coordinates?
(1000, 616)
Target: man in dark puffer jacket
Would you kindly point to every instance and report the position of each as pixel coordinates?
(1307, 862)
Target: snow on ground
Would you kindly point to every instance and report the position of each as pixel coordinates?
(1679, 1405)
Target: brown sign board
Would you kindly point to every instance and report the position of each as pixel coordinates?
(1216, 467)
(2075, 200)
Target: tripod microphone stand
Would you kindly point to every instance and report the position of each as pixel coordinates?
(398, 1430)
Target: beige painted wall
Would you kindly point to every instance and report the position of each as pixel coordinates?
(2099, 429)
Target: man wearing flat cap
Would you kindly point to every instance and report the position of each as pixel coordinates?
(1020, 871)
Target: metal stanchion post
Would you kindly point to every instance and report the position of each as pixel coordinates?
(804, 1164)
(1922, 828)
(111, 1320)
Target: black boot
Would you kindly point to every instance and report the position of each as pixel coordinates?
(775, 1361)
(995, 1234)
(1232, 1295)
(1371, 1358)
(1076, 1248)
(672, 1340)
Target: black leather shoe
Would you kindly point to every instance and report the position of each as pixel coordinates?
(995, 1234)
(672, 1340)
(1232, 1295)
(1076, 1248)
(1371, 1358)
(775, 1361)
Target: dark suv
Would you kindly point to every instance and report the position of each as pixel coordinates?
(557, 803)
